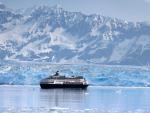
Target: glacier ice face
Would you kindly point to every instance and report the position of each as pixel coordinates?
(97, 75)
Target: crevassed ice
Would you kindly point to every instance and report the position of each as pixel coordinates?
(99, 75)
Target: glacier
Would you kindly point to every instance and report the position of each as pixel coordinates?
(38, 42)
(30, 73)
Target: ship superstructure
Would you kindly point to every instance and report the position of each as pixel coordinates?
(59, 81)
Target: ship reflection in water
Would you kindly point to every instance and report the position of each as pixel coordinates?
(63, 98)
(33, 99)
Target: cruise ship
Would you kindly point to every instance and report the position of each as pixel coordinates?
(59, 81)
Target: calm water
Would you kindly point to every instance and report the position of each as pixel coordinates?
(32, 99)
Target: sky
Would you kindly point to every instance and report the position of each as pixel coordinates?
(130, 10)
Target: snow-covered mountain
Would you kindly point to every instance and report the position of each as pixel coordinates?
(51, 34)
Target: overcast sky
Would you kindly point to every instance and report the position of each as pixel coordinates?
(131, 10)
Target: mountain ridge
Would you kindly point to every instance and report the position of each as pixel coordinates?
(51, 34)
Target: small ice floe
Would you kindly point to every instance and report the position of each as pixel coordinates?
(58, 110)
(119, 91)
(91, 110)
(86, 93)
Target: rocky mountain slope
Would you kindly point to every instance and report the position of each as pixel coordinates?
(51, 34)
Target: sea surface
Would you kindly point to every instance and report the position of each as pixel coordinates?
(95, 99)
